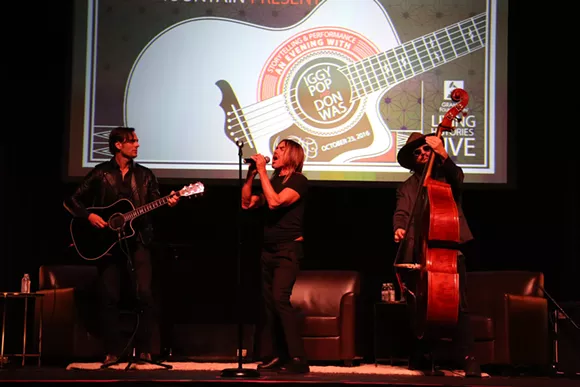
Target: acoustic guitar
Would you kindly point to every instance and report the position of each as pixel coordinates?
(93, 243)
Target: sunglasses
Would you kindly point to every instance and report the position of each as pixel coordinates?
(424, 148)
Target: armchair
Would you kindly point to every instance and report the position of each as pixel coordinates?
(70, 316)
(69, 329)
(327, 303)
(514, 300)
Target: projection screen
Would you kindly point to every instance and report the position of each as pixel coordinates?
(347, 79)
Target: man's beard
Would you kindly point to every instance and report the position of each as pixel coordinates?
(419, 168)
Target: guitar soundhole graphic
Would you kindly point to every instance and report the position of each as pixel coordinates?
(116, 222)
(319, 95)
(328, 121)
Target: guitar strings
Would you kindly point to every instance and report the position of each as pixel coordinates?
(265, 117)
(261, 128)
(469, 33)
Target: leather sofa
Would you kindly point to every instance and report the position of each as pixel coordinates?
(509, 315)
(326, 300)
(327, 303)
(483, 337)
(513, 305)
(70, 316)
(69, 323)
(508, 318)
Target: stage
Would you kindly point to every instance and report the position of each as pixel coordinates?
(206, 373)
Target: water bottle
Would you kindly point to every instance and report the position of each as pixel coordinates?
(385, 293)
(391, 293)
(25, 284)
(388, 292)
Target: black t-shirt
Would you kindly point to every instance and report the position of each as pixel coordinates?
(124, 184)
(284, 224)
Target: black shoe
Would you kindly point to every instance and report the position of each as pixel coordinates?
(271, 364)
(296, 365)
(425, 364)
(109, 360)
(471, 367)
(420, 362)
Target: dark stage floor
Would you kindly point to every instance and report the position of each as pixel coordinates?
(59, 375)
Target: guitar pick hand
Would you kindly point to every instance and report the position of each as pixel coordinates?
(97, 221)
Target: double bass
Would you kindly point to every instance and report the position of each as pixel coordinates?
(434, 293)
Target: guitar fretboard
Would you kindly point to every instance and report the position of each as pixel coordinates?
(146, 208)
(416, 56)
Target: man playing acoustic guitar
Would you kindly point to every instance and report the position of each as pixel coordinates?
(110, 181)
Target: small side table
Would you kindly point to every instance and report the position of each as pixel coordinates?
(25, 297)
(392, 332)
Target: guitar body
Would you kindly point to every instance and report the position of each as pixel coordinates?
(186, 81)
(438, 286)
(93, 243)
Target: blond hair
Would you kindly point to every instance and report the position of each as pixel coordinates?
(294, 158)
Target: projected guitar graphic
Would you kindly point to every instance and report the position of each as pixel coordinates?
(319, 82)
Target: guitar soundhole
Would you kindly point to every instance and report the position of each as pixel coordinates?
(320, 95)
(116, 222)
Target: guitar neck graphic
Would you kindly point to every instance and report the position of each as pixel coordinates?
(326, 139)
(384, 70)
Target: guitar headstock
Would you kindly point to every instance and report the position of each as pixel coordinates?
(192, 189)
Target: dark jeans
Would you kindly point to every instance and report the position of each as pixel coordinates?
(115, 275)
(461, 334)
(280, 336)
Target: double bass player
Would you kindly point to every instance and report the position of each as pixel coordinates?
(415, 155)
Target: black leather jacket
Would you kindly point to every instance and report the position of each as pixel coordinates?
(99, 188)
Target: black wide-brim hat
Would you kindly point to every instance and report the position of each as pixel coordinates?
(405, 157)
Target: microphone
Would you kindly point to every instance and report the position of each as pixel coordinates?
(251, 161)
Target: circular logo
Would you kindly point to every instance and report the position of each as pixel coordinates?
(320, 95)
(316, 73)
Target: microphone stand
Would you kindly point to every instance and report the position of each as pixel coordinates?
(124, 246)
(559, 307)
(240, 372)
(555, 329)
